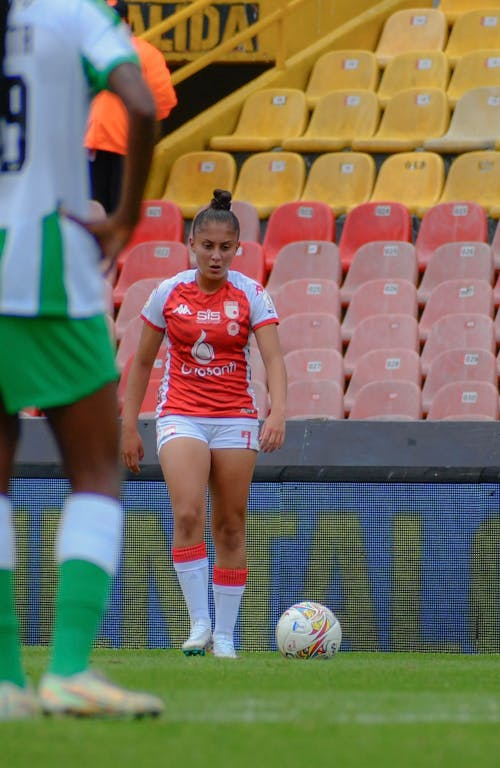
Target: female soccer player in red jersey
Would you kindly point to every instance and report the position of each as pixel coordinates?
(207, 425)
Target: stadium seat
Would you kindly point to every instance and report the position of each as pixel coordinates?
(466, 331)
(389, 260)
(379, 297)
(160, 220)
(413, 69)
(495, 247)
(383, 365)
(341, 70)
(269, 179)
(381, 332)
(414, 179)
(465, 401)
(410, 116)
(475, 123)
(194, 176)
(157, 371)
(475, 30)
(474, 176)
(342, 180)
(412, 29)
(129, 341)
(476, 69)
(309, 330)
(248, 218)
(455, 8)
(463, 365)
(306, 258)
(292, 221)
(307, 295)
(456, 260)
(496, 325)
(338, 118)
(449, 222)
(134, 299)
(268, 117)
(249, 260)
(388, 401)
(159, 259)
(321, 363)
(456, 296)
(373, 221)
(314, 399)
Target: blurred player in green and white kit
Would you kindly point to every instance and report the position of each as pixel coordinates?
(54, 342)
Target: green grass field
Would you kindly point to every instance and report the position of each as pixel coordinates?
(358, 709)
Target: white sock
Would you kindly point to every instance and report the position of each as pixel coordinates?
(228, 587)
(7, 536)
(193, 579)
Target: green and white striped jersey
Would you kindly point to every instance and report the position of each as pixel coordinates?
(59, 52)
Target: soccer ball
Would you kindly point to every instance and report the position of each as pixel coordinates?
(308, 630)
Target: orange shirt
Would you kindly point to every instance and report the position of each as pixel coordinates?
(107, 126)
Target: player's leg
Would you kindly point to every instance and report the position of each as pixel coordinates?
(230, 479)
(185, 462)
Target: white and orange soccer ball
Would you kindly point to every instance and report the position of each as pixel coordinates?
(308, 630)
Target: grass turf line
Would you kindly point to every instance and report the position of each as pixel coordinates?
(356, 710)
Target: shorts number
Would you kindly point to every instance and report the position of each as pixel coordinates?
(13, 126)
(246, 435)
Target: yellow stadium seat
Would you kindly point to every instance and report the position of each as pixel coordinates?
(414, 69)
(269, 179)
(474, 31)
(476, 69)
(342, 180)
(195, 175)
(415, 179)
(475, 123)
(409, 117)
(455, 8)
(342, 70)
(412, 29)
(267, 118)
(474, 176)
(339, 117)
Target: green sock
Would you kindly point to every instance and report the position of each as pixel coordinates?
(81, 600)
(10, 648)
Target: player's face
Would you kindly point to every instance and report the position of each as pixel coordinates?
(214, 246)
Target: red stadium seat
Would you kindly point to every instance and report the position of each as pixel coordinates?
(456, 297)
(129, 341)
(133, 301)
(466, 331)
(449, 222)
(249, 260)
(307, 295)
(308, 330)
(157, 372)
(456, 260)
(159, 259)
(322, 363)
(389, 260)
(373, 221)
(297, 221)
(495, 246)
(383, 365)
(465, 401)
(388, 401)
(160, 220)
(318, 399)
(379, 297)
(249, 221)
(464, 365)
(381, 332)
(306, 258)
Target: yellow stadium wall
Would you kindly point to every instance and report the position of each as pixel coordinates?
(361, 24)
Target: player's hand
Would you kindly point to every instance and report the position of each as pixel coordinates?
(110, 233)
(272, 433)
(132, 449)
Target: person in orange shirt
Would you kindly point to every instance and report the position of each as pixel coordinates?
(107, 128)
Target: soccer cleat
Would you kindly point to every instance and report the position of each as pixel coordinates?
(17, 703)
(199, 641)
(224, 647)
(87, 694)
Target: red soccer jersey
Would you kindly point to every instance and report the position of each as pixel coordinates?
(207, 371)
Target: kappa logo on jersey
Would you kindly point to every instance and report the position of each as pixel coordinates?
(208, 316)
(182, 309)
(202, 352)
(231, 310)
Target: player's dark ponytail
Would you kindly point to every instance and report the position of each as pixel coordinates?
(219, 210)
